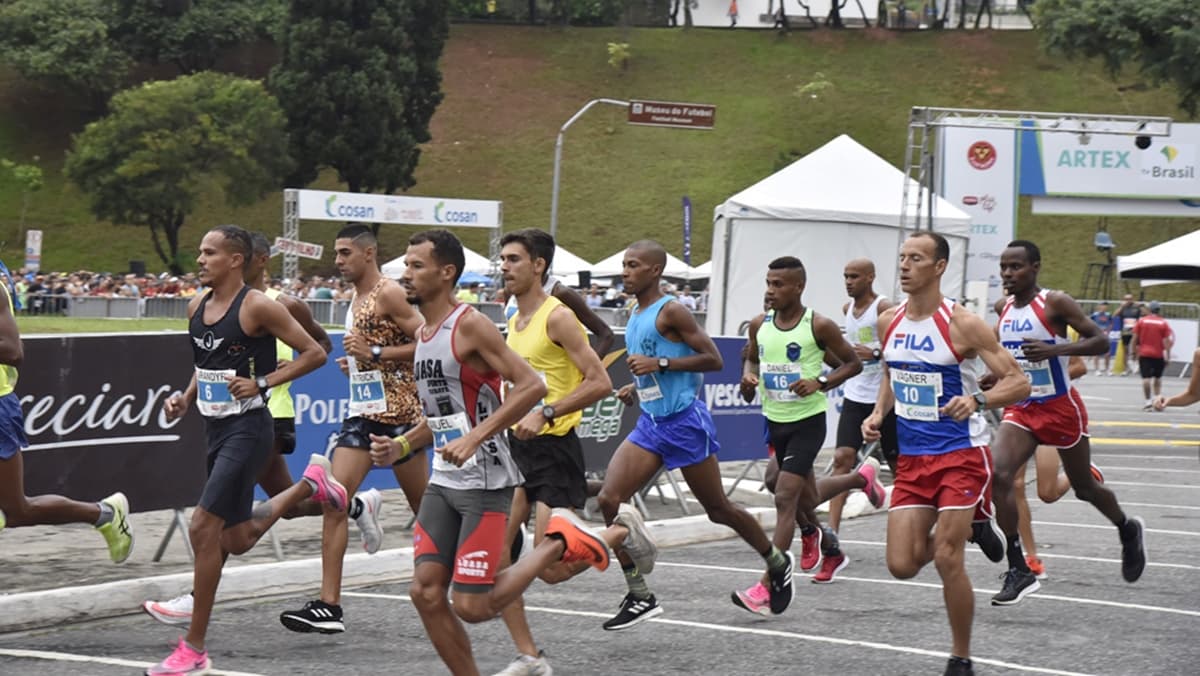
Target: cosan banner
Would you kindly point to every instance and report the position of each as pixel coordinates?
(978, 175)
(322, 205)
(1099, 165)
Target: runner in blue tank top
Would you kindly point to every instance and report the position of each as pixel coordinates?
(943, 475)
(667, 353)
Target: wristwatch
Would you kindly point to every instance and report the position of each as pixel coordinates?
(263, 388)
(663, 363)
(376, 352)
(548, 413)
(824, 382)
(876, 354)
(981, 400)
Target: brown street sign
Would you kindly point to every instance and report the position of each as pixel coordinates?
(667, 114)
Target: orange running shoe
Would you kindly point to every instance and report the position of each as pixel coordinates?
(1036, 567)
(580, 544)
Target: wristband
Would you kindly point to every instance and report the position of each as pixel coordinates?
(405, 447)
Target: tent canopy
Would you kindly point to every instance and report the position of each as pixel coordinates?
(473, 263)
(1177, 259)
(838, 203)
(567, 263)
(614, 265)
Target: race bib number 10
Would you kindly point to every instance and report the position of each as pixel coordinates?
(917, 394)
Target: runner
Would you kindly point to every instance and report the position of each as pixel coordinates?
(1151, 342)
(602, 333)
(544, 444)
(1033, 327)
(1104, 320)
(383, 401)
(943, 475)
(233, 331)
(667, 353)
(459, 537)
(1127, 314)
(274, 477)
(110, 516)
(1189, 396)
(786, 351)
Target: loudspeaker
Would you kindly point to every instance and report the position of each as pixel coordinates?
(138, 268)
(585, 279)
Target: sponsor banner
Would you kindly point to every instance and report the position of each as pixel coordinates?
(301, 249)
(93, 416)
(33, 250)
(1100, 165)
(978, 175)
(667, 114)
(1100, 206)
(323, 205)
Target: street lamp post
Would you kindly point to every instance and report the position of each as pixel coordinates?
(558, 144)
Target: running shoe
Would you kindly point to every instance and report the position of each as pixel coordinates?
(3, 521)
(118, 533)
(528, 665)
(633, 611)
(579, 543)
(183, 661)
(1036, 567)
(810, 549)
(328, 489)
(316, 616)
(369, 528)
(959, 666)
(869, 471)
(990, 539)
(176, 611)
(1133, 552)
(830, 567)
(756, 599)
(781, 588)
(638, 544)
(1017, 585)
(1097, 474)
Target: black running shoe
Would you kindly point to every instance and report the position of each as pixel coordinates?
(1017, 585)
(990, 539)
(315, 616)
(958, 666)
(1133, 552)
(633, 611)
(780, 586)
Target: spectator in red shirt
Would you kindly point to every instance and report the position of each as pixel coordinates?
(1152, 339)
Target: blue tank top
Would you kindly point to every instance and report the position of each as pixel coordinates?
(667, 392)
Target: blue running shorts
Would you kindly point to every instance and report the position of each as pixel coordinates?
(681, 439)
(12, 426)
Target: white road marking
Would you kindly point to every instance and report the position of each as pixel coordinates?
(1137, 483)
(1090, 559)
(93, 659)
(1170, 470)
(939, 654)
(1109, 526)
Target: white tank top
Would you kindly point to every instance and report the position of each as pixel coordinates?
(455, 398)
(864, 387)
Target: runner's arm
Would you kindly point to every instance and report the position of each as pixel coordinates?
(478, 335)
(830, 335)
(1076, 368)
(393, 303)
(886, 398)
(1133, 343)
(562, 328)
(592, 321)
(1092, 340)
(977, 337)
(1189, 396)
(11, 351)
(750, 359)
(707, 357)
(274, 319)
(304, 316)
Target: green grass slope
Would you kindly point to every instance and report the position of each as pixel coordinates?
(508, 89)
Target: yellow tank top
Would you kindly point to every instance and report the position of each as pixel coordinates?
(8, 374)
(281, 405)
(550, 361)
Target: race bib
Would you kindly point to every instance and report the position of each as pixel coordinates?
(871, 367)
(647, 387)
(1128, 323)
(445, 429)
(366, 393)
(212, 393)
(1041, 381)
(917, 394)
(866, 335)
(777, 379)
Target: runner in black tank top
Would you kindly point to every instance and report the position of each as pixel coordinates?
(232, 331)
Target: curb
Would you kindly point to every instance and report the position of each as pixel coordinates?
(37, 609)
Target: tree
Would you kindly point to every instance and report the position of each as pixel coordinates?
(29, 178)
(65, 43)
(1162, 37)
(359, 82)
(167, 142)
(191, 34)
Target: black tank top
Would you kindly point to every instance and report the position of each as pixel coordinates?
(225, 346)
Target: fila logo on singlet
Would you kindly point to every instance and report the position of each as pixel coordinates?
(913, 341)
(1017, 325)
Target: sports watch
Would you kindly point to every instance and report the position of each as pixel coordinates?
(823, 381)
(663, 363)
(548, 413)
(876, 354)
(981, 400)
(376, 352)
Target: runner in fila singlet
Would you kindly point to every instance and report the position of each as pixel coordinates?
(544, 444)
(460, 362)
(274, 477)
(1033, 327)
(383, 401)
(668, 351)
(944, 473)
(232, 331)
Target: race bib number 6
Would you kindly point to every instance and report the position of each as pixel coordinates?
(212, 392)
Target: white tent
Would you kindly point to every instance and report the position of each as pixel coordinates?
(702, 271)
(567, 263)
(1177, 259)
(840, 202)
(473, 263)
(614, 265)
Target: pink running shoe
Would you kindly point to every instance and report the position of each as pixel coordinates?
(830, 567)
(869, 471)
(810, 550)
(756, 599)
(1097, 474)
(184, 661)
(328, 489)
